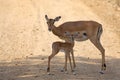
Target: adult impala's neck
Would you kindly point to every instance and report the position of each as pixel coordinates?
(56, 31)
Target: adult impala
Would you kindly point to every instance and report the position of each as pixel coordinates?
(88, 30)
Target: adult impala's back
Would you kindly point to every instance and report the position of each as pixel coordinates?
(87, 30)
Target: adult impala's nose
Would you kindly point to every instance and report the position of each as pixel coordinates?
(49, 29)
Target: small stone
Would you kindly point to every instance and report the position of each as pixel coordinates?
(42, 58)
(43, 50)
(88, 58)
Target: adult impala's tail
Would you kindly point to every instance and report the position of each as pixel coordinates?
(100, 30)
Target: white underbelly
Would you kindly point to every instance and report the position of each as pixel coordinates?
(81, 38)
(62, 50)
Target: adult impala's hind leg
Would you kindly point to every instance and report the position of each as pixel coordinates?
(98, 45)
(65, 67)
(103, 56)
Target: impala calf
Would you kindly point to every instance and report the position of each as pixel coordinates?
(91, 30)
(67, 47)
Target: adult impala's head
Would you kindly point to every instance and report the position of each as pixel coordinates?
(50, 22)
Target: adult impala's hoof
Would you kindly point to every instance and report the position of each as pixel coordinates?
(66, 72)
(74, 73)
(48, 73)
(62, 70)
(101, 72)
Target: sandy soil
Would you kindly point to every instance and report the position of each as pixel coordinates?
(25, 42)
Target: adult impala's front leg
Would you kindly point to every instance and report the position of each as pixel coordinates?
(74, 64)
(67, 56)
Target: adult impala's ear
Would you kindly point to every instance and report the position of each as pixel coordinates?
(57, 18)
(46, 17)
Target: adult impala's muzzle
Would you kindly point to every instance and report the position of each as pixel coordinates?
(49, 29)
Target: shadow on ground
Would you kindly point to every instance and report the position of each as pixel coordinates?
(34, 68)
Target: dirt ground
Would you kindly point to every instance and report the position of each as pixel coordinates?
(25, 42)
